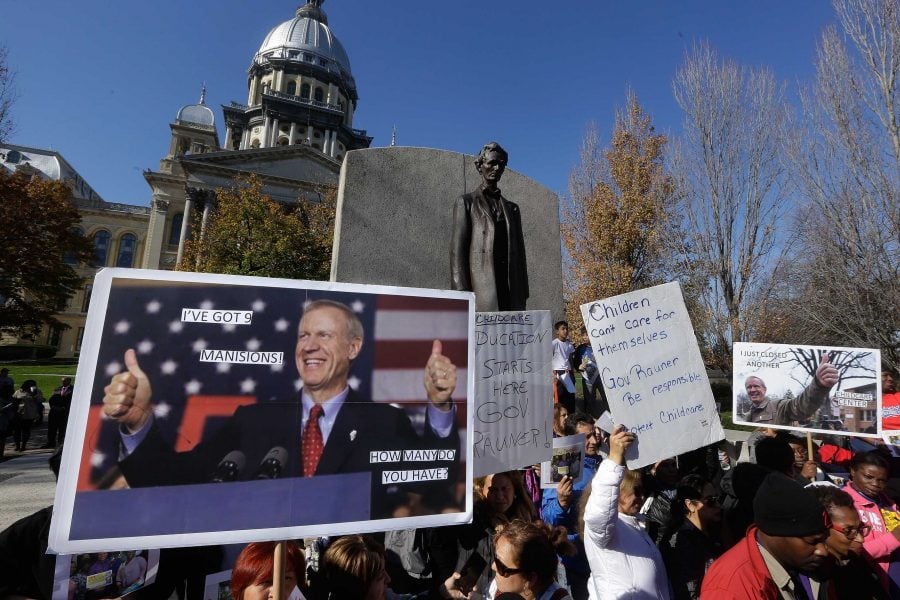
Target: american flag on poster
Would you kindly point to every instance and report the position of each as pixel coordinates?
(191, 398)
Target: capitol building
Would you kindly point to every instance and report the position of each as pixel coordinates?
(292, 132)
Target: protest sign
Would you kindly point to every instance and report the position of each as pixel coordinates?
(211, 450)
(653, 373)
(566, 460)
(104, 574)
(513, 393)
(787, 386)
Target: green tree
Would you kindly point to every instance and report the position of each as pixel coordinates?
(248, 233)
(616, 229)
(38, 248)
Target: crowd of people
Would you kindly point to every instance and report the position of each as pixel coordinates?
(23, 407)
(780, 521)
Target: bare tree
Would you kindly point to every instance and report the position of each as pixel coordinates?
(846, 161)
(7, 96)
(729, 169)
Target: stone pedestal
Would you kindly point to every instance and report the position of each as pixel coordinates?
(394, 214)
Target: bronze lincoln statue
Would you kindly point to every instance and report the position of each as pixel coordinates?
(487, 251)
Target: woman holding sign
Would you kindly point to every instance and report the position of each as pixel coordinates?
(624, 560)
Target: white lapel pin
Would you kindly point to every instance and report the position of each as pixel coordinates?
(352, 435)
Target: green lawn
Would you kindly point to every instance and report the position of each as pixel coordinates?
(46, 376)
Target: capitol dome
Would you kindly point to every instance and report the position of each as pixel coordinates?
(197, 114)
(306, 38)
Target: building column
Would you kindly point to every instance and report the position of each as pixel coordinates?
(264, 142)
(185, 227)
(253, 86)
(228, 144)
(245, 138)
(326, 139)
(275, 133)
(333, 143)
(293, 133)
(156, 230)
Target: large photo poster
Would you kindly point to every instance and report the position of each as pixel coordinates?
(807, 388)
(225, 409)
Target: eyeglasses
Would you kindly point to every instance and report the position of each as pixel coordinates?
(710, 501)
(851, 533)
(503, 570)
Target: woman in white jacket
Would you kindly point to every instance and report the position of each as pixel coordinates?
(625, 563)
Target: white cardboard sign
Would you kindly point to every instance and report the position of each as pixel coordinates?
(513, 390)
(654, 376)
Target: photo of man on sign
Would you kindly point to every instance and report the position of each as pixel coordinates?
(806, 388)
(232, 409)
(336, 433)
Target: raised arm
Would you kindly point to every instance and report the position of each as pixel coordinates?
(601, 510)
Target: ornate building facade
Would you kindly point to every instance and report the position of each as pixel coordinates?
(292, 133)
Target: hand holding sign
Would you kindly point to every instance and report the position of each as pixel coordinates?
(619, 442)
(127, 397)
(440, 377)
(564, 491)
(826, 374)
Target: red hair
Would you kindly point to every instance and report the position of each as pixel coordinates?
(255, 562)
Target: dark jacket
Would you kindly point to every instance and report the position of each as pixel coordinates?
(472, 252)
(361, 426)
(688, 555)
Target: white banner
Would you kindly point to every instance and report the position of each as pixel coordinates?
(513, 390)
(653, 373)
(807, 388)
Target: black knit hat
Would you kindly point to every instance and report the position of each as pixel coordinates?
(782, 507)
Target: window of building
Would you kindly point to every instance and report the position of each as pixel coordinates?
(304, 91)
(127, 244)
(69, 258)
(86, 300)
(317, 135)
(283, 141)
(868, 415)
(79, 339)
(101, 247)
(175, 232)
(54, 337)
(320, 94)
(292, 88)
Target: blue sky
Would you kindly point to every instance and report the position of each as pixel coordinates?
(99, 81)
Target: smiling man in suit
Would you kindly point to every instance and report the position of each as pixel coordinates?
(329, 431)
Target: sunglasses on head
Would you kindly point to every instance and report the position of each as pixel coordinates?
(503, 570)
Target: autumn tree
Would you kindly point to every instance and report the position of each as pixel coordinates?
(729, 170)
(38, 248)
(248, 233)
(615, 229)
(844, 270)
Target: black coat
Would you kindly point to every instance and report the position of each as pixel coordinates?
(472, 252)
(361, 426)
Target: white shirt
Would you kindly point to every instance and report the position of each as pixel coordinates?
(562, 350)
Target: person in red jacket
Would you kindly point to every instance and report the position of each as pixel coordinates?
(775, 558)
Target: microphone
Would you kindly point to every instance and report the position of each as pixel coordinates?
(272, 464)
(230, 467)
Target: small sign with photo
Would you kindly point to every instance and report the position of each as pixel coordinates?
(567, 461)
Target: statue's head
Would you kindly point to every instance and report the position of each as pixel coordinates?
(491, 162)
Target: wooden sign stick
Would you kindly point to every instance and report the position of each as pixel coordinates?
(278, 571)
(809, 446)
